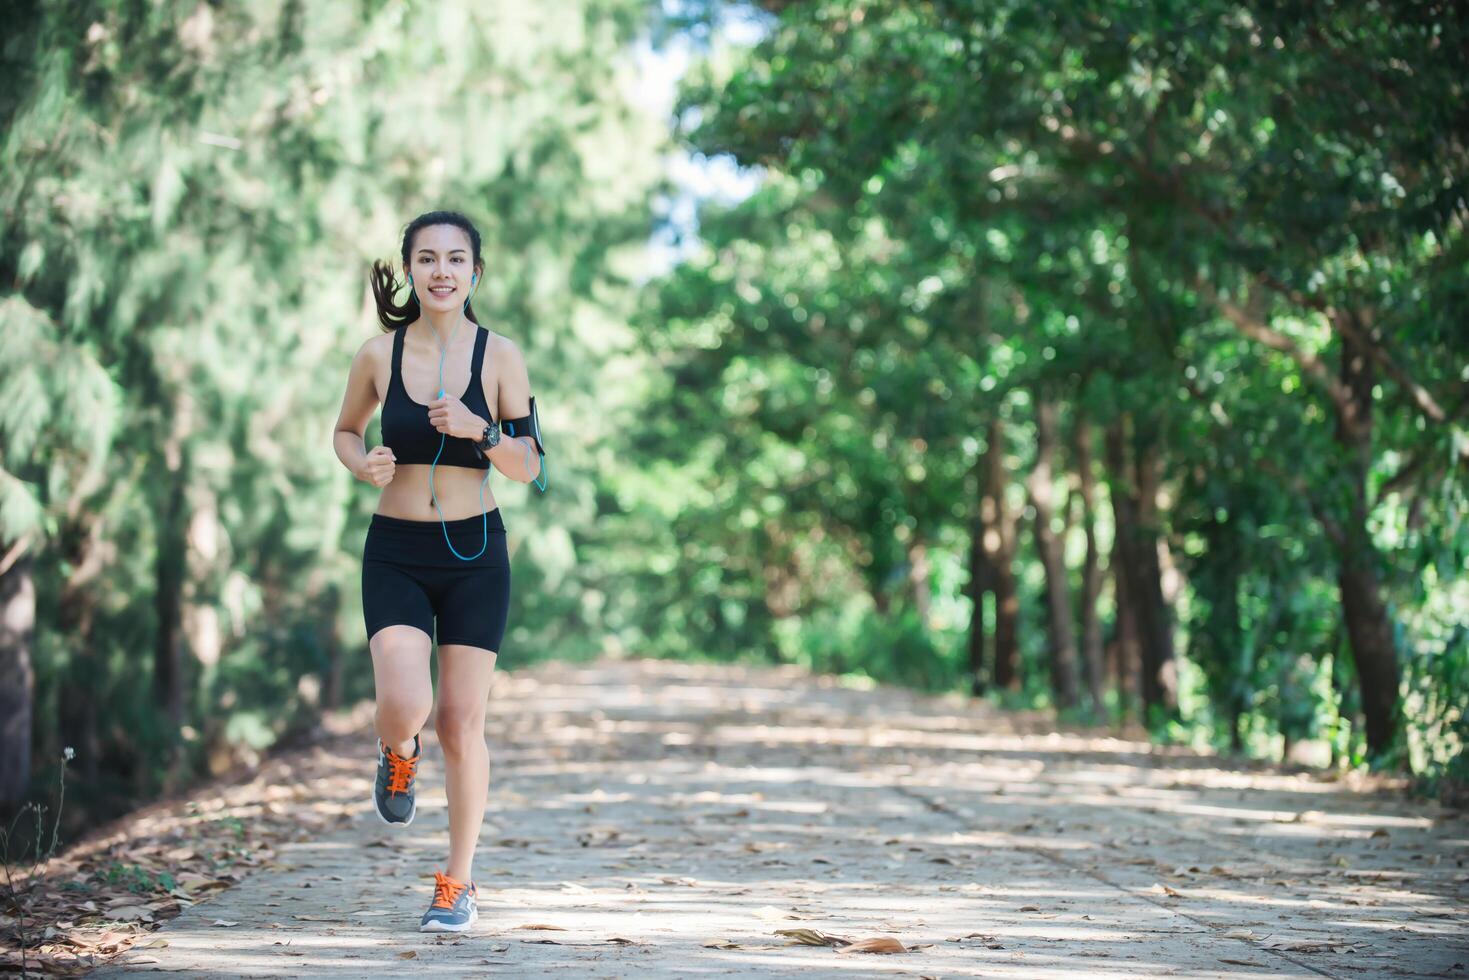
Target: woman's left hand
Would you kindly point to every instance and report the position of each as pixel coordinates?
(448, 415)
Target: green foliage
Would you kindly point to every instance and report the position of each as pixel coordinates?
(1231, 238)
(1199, 224)
(192, 195)
(137, 879)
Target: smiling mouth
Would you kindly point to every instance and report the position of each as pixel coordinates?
(442, 290)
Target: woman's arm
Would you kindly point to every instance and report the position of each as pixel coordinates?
(358, 404)
(517, 457)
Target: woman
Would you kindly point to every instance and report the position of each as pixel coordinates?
(434, 555)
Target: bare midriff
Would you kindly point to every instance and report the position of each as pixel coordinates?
(407, 497)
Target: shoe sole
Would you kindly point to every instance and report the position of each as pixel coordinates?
(392, 823)
(436, 925)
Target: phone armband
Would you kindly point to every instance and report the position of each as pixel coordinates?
(529, 425)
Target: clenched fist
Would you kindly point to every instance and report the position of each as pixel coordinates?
(378, 468)
(450, 417)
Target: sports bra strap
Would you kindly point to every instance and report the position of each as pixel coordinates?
(398, 352)
(477, 362)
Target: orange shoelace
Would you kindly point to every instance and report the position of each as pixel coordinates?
(446, 891)
(402, 771)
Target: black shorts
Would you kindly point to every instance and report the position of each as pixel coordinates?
(411, 578)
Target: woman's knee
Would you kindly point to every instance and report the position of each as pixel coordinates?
(401, 717)
(459, 727)
(405, 694)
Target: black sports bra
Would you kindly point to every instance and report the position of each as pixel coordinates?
(406, 429)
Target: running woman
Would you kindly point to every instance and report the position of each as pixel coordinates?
(434, 564)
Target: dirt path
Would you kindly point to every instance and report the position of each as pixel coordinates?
(667, 819)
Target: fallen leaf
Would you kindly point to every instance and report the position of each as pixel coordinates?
(408, 954)
(541, 925)
(225, 923)
(878, 944)
(812, 937)
(1310, 945)
(720, 944)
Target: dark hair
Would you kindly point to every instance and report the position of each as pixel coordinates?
(385, 280)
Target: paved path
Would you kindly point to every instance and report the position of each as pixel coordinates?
(667, 819)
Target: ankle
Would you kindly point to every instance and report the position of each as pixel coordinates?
(406, 749)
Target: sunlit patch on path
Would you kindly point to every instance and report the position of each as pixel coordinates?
(682, 820)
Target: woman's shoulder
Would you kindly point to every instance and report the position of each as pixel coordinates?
(375, 350)
(501, 348)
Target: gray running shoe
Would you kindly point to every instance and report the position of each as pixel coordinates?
(392, 793)
(455, 907)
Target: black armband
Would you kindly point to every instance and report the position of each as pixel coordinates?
(529, 425)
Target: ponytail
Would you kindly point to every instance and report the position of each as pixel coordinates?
(384, 286)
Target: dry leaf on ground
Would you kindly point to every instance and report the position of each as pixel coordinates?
(877, 944)
(812, 937)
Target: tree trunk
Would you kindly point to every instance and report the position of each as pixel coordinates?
(1369, 626)
(999, 544)
(169, 564)
(17, 677)
(919, 573)
(331, 641)
(1135, 565)
(1092, 662)
(1061, 640)
(1160, 669)
(1127, 662)
(80, 546)
(1222, 647)
(980, 582)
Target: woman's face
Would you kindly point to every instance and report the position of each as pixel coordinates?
(442, 265)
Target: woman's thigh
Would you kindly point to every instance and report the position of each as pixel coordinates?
(399, 619)
(400, 656)
(472, 606)
(395, 595)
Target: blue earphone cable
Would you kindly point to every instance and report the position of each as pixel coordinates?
(443, 440)
(539, 482)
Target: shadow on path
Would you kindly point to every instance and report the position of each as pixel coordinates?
(666, 819)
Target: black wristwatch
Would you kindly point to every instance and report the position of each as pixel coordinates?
(490, 438)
